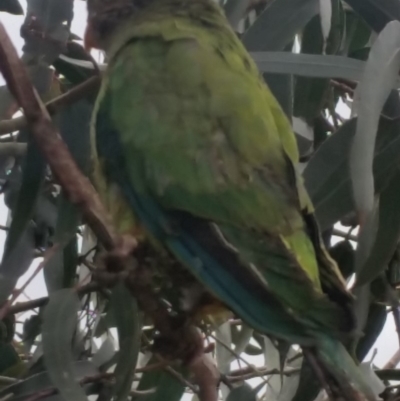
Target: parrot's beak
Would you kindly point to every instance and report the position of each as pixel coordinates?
(89, 41)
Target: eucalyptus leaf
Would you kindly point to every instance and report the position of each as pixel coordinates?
(242, 393)
(235, 10)
(388, 374)
(166, 386)
(309, 65)
(54, 20)
(32, 179)
(378, 79)
(128, 321)
(278, 24)
(310, 92)
(388, 233)
(59, 325)
(366, 238)
(377, 13)
(60, 270)
(11, 6)
(327, 175)
(20, 242)
(374, 325)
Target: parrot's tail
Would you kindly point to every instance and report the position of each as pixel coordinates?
(338, 371)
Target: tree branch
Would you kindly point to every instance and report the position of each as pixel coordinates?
(78, 187)
(81, 193)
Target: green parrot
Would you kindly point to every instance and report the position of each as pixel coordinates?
(194, 157)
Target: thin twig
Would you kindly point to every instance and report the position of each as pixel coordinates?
(247, 373)
(78, 187)
(8, 380)
(393, 361)
(53, 106)
(346, 236)
(180, 378)
(253, 368)
(39, 302)
(49, 253)
(343, 87)
(86, 380)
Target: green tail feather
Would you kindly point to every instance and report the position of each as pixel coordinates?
(340, 365)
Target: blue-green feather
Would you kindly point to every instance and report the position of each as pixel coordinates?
(162, 226)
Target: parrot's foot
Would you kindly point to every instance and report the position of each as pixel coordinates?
(118, 264)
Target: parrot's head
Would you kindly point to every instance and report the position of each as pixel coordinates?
(104, 16)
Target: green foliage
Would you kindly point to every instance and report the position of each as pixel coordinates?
(81, 334)
(11, 6)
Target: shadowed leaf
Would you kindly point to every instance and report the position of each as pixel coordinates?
(388, 233)
(166, 386)
(242, 393)
(128, 323)
(377, 13)
(41, 381)
(380, 74)
(11, 6)
(327, 175)
(278, 24)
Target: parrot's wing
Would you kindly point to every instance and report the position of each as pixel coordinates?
(204, 156)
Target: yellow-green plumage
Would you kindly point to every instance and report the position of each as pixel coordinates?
(193, 153)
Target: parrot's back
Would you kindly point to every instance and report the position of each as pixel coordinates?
(193, 153)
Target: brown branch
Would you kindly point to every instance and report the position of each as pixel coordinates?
(86, 88)
(393, 361)
(343, 86)
(78, 187)
(234, 353)
(81, 193)
(76, 93)
(247, 373)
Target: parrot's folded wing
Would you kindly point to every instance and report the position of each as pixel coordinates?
(204, 156)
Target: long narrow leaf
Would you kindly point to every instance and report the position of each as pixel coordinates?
(388, 233)
(279, 23)
(378, 79)
(127, 317)
(59, 324)
(377, 13)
